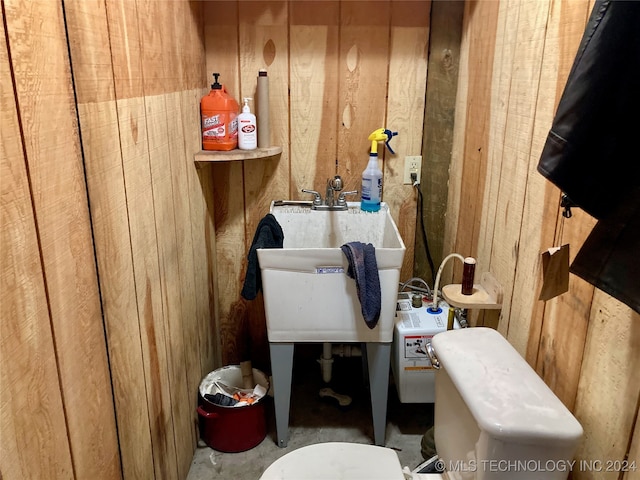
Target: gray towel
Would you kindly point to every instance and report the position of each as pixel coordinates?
(364, 269)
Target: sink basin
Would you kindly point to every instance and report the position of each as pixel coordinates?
(308, 296)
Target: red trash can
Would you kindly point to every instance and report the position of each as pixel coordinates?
(229, 428)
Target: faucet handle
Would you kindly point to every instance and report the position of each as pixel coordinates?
(342, 201)
(317, 199)
(336, 183)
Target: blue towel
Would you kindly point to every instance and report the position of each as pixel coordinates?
(364, 269)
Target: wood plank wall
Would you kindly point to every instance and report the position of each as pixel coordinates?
(437, 141)
(515, 58)
(57, 416)
(138, 89)
(108, 313)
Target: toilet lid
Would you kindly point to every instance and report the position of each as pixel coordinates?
(336, 460)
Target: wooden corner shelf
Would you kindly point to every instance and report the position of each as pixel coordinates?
(486, 295)
(207, 156)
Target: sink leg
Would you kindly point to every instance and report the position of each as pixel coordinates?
(281, 369)
(378, 360)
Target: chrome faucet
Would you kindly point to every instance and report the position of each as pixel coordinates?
(333, 185)
(330, 202)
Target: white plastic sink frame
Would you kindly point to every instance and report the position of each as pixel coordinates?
(309, 297)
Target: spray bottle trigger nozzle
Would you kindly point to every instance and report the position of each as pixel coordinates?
(381, 135)
(390, 135)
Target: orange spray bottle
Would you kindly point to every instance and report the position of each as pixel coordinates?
(219, 123)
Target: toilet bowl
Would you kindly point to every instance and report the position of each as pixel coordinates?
(494, 419)
(336, 460)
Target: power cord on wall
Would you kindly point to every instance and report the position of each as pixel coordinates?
(416, 185)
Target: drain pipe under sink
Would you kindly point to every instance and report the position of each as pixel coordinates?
(329, 350)
(326, 362)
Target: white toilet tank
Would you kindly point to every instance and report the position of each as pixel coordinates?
(494, 416)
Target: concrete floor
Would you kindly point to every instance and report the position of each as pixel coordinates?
(314, 420)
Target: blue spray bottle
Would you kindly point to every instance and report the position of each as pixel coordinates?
(372, 175)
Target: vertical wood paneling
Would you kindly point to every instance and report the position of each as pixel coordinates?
(509, 223)
(154, 23)
(36, 32)
(529, 20)
(609, 388)
(184, 242)
(405, 113)
(125, 46)
(363, 74)
(37, 445)
(263, 43)
(165, 218)
(128, 75)
(313, 75)
(161, 355)
(115, 264)
(189, 30)
(503, 57)
(473, 157)
(453, 212)
(484, 39)
(562, 35)
(562, 343)
(540, 212)
(202, 229)
(445, 31)
(230, 252)
(137, 177)
(582, 343)
(165, 73)
(105, 179)
(221, 45)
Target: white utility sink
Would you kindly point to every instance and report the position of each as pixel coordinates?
(308, 295)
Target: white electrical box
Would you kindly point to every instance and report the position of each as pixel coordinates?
(414, 327)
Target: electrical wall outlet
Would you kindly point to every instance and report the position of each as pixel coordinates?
(412, 164)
